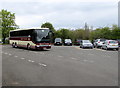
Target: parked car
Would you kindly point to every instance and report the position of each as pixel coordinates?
(1, 41)
(110, 44)
(98, 42)
(58, 41)
(77, 43)
(68, 42)
(86, 44)
(118, 42)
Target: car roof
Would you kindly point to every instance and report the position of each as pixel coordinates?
(85, 40)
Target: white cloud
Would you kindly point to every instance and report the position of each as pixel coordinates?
(62, 13)
(29, 21)
(58, 1)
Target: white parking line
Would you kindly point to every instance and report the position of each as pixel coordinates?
(30, 60)
(42, 64)
(22, 58)
(15, 56)
(88, 61)
(74, 58)
(10, 54)
(60, 56)
(6, 53)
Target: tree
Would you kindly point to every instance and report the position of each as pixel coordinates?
(7, 22)
(65, 34)
(58, 34)
(48, 25)
(115, 32)
(105, 33)
(79, 34)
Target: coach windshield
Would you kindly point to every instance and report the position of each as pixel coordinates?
(41, 34)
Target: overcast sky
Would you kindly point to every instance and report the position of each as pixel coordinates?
(63, 13)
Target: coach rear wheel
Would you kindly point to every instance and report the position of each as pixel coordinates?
(13, 45)
(28, 46)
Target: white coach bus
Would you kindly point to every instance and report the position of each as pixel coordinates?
(34, 38)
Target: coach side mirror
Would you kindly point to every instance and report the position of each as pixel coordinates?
(53, 33)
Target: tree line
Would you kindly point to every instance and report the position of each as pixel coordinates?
(7, 23)
(86, 33)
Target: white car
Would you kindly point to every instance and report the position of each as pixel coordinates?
(98, 42)
(110, 44)
(58, 41)
(68, 42)
(86, 44)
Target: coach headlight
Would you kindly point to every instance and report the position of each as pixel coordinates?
(37, 45)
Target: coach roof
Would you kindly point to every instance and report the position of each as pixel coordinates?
(27, 29)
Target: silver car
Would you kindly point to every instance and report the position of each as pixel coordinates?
(86, 44)
(110, 44)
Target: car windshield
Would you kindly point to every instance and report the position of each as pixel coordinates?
(86, 41)
(68, 40)
(58, 39)
(113, 42)
(79, 40)
(102, 40)
(41, 33)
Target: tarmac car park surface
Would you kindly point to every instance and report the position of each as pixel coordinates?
(60, 66)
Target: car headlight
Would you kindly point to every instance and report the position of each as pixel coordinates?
(84, 45)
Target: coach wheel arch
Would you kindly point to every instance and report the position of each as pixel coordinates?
(28, 46)
(13, 45)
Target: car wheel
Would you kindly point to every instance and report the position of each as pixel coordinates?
(82, 47)
(117, 49)
(96, 46)
(106, 48)
(101, 47)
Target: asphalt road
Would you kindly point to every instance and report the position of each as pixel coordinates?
(60, 66)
